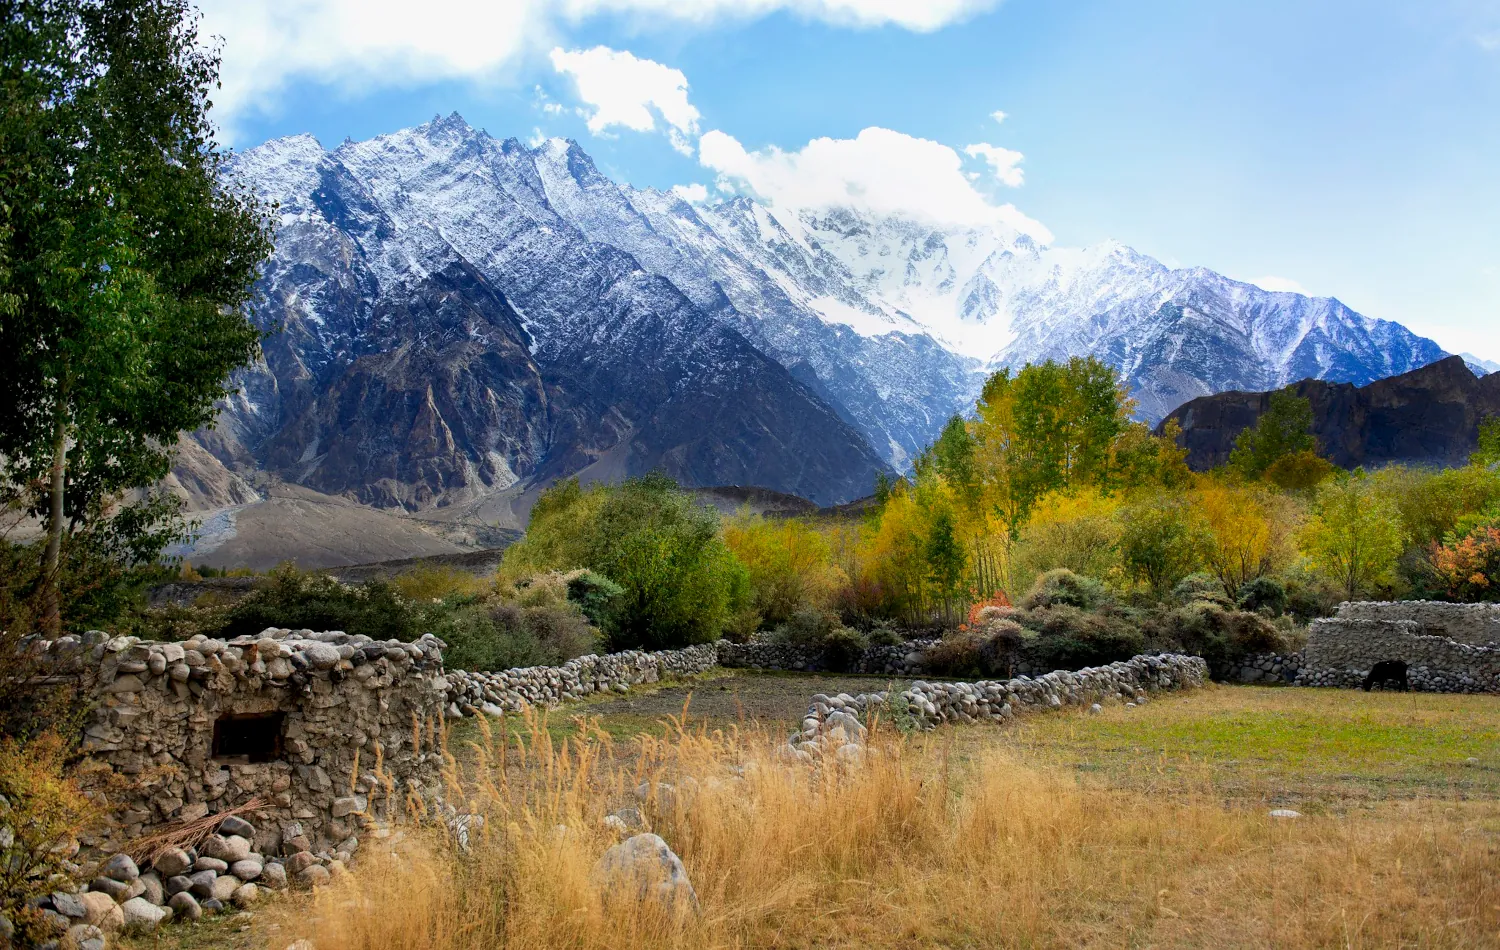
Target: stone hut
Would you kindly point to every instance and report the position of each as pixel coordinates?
(1448, 648)
(328, 730)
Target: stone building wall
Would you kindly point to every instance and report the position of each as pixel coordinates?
(1478, 624)
(301, 720)
(1340, 651)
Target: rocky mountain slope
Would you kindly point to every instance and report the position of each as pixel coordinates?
(460, 316)
(1429, 416)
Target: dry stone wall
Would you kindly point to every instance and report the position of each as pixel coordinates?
(322, 727)
(505, 691)
(1477, 624)
(1341, 651)
(839, 724)
(908, 659)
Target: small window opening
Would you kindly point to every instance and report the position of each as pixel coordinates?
(245, 738)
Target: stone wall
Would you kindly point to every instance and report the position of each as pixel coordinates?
(838, 724)
(1341, 651)
(1478, 624)
(1261, 668)
(901, 659)
(295, 718)
(508, 690)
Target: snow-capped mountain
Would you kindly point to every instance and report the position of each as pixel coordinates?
(460, 313)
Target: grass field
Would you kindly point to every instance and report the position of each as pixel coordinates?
(1136, 828)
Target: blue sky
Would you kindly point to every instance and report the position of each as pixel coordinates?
(1347, 147)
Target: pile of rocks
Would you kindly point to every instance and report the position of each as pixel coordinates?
(900, 659)
(224, 871)
(510, 690)
(839, 723)
(328, 706)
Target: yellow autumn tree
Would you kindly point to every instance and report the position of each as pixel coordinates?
(1249, 531)
(790, 565)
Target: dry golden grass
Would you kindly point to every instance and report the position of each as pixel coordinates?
(951, 839)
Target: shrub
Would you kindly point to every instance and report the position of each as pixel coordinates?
(884, 633)
(298, 600)
(1160, 543)
(806, 627)
(1062, 587)
(500, 636)
(1264, 594)
(595, 594)
(789, 564)
(1068, 638)
(41, 809)
(1218, 635)
(1002, 643)
(843, 648)
(435, 583)
(956, 654)
(1196, 587)
(680, 583)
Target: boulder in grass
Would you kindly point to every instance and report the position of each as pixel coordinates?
(85, 937)
(185, 906)
(101, 910)
(273, 875)
(645, 868)
(245, 895)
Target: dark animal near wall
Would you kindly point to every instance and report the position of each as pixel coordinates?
(1386, 672)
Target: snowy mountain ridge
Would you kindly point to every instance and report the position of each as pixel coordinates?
(463, 313)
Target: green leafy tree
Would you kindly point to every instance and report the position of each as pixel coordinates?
(126, 261)
(1354, 536)
(1161, 542)
(680, 583)
(945, 559)
(1284, 429)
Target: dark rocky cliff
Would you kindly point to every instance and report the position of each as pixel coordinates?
(1429, 416)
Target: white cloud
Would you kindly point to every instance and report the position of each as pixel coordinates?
(1489, 42)
(360, 45)
(1280, 285)
(1005, 162)
(879, 171)
(620, 89)
(999, 116)
(693, 194)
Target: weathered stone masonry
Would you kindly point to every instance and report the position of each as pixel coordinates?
(325, 728)
(1448, 648)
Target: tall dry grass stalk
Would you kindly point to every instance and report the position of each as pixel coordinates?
(911, 849)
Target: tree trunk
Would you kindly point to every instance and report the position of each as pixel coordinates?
(51, 561)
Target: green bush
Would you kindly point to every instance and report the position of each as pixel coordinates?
(806, 627)
(842, 649)
(292, 599)
(1264, 594)
(1068, 638)
(595, 594)
(990, 651)
(1200, 587)
(680, 584)
(503, 636)
(1063, 588)
(1218, 635)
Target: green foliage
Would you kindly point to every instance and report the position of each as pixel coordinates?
(1063, 588)
(1200, 586)
(1069, 638)
(126, 261)
(1160, 543)
(501, 636)
(1284, 429)
(842, 649)
(945, 556)
(1354, 537)
(680, 583)
(1264, 594)
(1488, 453)
(595, 595)
(1217, 634)
(292, 599)
(806, 627)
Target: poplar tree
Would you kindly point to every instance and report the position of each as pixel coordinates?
(126, 261)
